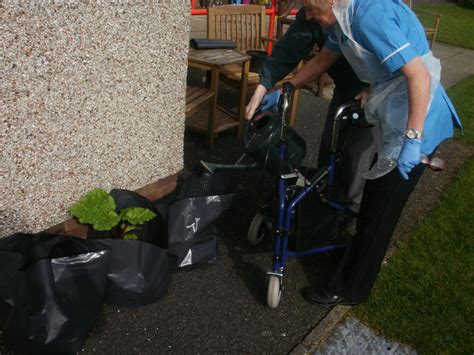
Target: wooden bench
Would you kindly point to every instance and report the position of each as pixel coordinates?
(198, 98)
(219, 119)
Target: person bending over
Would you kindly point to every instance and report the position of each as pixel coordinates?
(294, 46)
(386, 45)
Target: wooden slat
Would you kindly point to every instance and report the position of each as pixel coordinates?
(199, 121)
(224, 27)
(240, 31)
(195, 94)
(195, 97)
(234, 72)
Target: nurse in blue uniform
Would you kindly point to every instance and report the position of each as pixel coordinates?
(386, 46)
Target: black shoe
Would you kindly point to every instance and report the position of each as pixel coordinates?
(323, 297)
(347, 226)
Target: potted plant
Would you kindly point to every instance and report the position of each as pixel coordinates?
(139, 271)
(98, 209)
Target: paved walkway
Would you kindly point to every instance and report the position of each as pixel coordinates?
(457, 63)
(353, 337)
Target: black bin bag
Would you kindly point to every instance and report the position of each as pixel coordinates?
(139, 273)
(52, 287)
(192, 213)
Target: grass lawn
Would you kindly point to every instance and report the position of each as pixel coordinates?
(462, 95)
(424, 296)
(457, 23)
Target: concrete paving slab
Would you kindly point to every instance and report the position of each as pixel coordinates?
(451, 76)
(444, 51)
(463, 63)
(353, 337)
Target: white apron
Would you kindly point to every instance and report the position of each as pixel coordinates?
(387, 108)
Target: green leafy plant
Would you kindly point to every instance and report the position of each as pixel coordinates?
(97, 208)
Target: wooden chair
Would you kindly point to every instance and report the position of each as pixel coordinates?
(431, 31)
(245, 25)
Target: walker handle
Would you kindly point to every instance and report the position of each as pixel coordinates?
(288, 88)
(351, 106)
(284, 106)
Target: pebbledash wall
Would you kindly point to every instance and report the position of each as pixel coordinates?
(92, 95)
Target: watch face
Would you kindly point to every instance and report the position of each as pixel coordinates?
(411, 134)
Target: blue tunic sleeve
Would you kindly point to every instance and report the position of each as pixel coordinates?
(385, 37)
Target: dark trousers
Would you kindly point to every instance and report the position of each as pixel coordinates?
(382, 203)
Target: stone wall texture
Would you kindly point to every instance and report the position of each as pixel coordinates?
(92, 95)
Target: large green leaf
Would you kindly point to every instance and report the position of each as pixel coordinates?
(130, 237)
(136, 215)
(97, 208)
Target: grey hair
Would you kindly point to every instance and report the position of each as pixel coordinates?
(322, 4)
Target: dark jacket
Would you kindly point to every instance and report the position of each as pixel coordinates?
(295, 45)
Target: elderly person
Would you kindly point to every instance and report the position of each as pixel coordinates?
(386, 46)
(294, 46)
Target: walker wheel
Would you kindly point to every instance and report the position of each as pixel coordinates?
(273, 291)
(257, 229)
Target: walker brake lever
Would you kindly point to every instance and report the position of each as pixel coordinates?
(286, 91)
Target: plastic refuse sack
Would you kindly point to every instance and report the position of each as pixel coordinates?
(192, 212)
(139, 273)
(53, 286)
(192, 233)
(154, 231)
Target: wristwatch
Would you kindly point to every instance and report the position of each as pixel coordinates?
(412, 133)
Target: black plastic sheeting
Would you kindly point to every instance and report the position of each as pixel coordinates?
(53, 288)
(139, 271)
(138, 274)
(208, 43)
(192, 213)
(192, 232)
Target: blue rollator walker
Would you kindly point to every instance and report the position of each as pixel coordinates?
(295, 191)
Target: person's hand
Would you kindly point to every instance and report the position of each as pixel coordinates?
(410, 156)
(363, 97)
(255, 101)
(270, 100)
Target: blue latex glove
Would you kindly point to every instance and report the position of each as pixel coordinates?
(270, 100)
(410, 156)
